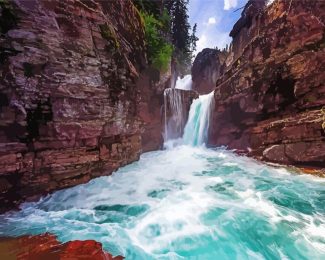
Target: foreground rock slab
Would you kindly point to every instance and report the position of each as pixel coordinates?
(46, 246)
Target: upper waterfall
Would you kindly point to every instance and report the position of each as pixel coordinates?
(197, 127)
(175, 114)
(184, 83)
(176, 107)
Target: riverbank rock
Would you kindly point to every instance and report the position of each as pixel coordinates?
(270, 100)
(46, 246)
(72, 103)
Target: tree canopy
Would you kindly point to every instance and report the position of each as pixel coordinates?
(167, 21)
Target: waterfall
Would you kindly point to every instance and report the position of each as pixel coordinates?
(175, 114)
(184, 83)
(174, 108)
(196, 129)
(197, 126)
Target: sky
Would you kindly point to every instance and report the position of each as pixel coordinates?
(215, 19)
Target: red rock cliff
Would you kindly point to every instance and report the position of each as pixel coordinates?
(270, 100)
(71, 105)
(46, 246)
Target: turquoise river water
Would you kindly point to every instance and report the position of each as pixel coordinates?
(187, 203)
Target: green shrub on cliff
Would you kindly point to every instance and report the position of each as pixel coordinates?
(159, 50)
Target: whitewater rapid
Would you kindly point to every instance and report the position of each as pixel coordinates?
(187, 203)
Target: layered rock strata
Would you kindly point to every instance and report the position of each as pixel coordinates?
(46, 246)
(72, 107)
(270, 100)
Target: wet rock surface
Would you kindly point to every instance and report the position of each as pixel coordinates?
(46, 246)
(269, 103)
(71, 105)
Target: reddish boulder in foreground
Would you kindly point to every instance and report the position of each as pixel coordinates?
(46, 246)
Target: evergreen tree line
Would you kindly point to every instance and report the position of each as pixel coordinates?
(172, 16)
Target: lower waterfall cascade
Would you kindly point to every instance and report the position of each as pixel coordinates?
(197, 127)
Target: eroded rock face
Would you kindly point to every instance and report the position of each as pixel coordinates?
(71, 105)
(151, 107)
(269, 100)
(207, 68)
(46, 246)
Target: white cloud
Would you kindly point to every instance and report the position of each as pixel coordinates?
(212, 20)
(201, 43)
(230, 4)
(208, 41)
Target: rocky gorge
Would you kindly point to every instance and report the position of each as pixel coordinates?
(80, 100)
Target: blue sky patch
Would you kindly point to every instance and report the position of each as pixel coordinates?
(215, 19)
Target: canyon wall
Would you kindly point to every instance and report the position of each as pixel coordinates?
(207, 67)
(76, 98)
(270, 99)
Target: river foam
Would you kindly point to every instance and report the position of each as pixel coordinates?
(187, 202)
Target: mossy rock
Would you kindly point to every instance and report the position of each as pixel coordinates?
(109, 34)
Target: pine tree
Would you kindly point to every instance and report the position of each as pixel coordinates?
(194, 39)
(175, 28)
(180, 32)
(149, 6)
